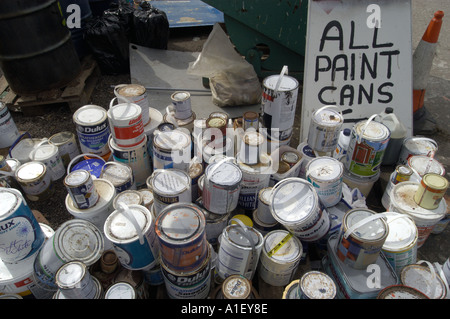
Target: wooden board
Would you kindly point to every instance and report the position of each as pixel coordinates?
(358, 65)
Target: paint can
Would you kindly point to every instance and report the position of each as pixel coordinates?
(125, 122)
(75, 239)
(147, 198)
(291, 290)
(363, 184)
(131, 229)
(195, 171)
(422, 164)
(263, 209)
(279, 101)
(75, 282)
(402, 173)
(361, 238)
(181, 101)
(307, 154)
(137, 94)
(431, 191)
(254, 178)
(251, 147)
(120, 290)
(401, 292)
(67, 146)
(154, 276)
(135, 279)
(194, 284)
(21, 234)
(137, 157)
(250, 120)
(35, 181)
(8, 129)
(90, 162)
(290, 157)
(81, 189)
(215, 223)
(221, 187)
(324, 129)
(368, 141)
(49, 155)
(169, 186)
(280, 257)
(262, 227)
(128, 197)
(181, 233)
(236, 287)
(326, 175)
(400, 247)
(295, 205)
(120, 175)
(416, 146)
(425, 279)
(316, 285)
(93, 129)
(186, 124)
(402, 201)
(171, 149)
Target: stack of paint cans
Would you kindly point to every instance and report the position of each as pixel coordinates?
(180, 113)
(185, 254)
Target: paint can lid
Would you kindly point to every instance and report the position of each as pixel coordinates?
(78, 239)
(324, 168)
(10, 201)
(435, 181)
(89, 114)
(125, 111)
(402, 232)
(373, 131)
(180, 96)
(223, 173)
(77, 178)
(372, 230)
(421, 278)
(328, 117)
(117, 173)
(317, 285)
(170, 181)
(43, 152)
(128, 197)
(420, 145)
(236, 287)
(282, 246)
(288, 83)
(30, 171)
(120, 290)
(70, 274)
(172, 140)
(119, 228)
(400, 292)
(131, 90)
(265, 194)
(147, 196)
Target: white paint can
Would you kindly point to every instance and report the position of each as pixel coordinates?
(416, 146)
(125, 121)
(422, 164)
(81, 189)
(326, 175)
(171, 149)
(35, 180)
(425, 279)
(137, 94)
(120, 290)
(75, 282)
(8, 129)
(251, 147)
(263, 209)
(325, 127)
(280, 257)
(221, 187)
(67, 146)
(181, 101)
(49, 155)
(119, 174)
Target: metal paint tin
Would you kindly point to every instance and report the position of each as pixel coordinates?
(254, 178)
(354, 283)
(137, 157)
(239, 251)
(131, 229)
(280, 257)
(263, 227)
(431, 191)
(49, 155)
(181, 101)
(221, 187)
(422, 164)
(326, 175)
(401, 292)
(290, 157)
(98, 288)
(195, 284)
(416, 146)
(35, 181)
(125, 121)
(92, 129)
(181, 233)
(186, 124)
(307, 155)
(402, 201)
(324, 129)
(236, 287)
(171, 149)
(81, 189)
(425, 279)
(67, 145)
(120, 290)
(263, 208)
(250, 120)
(402, 173)
(8, 129)
(21, 235)
(363, 184)
(251, 147)
(215, 223)
(278, 105)
(361, 238)
(400, 247)
(169, 186)
(147, 198)
(195, 171)
(120, 175)
(368, 141)
(128, 197)
(75, 239)
(137, 94)
(75, 282)
(295, 205)
(316, 285)
(291, 290)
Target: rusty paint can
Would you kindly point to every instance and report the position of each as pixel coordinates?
(316, 285)
(401, 292)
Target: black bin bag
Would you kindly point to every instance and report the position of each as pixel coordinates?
(151, 27)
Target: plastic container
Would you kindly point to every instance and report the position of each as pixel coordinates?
(398, 134)
(342, 144)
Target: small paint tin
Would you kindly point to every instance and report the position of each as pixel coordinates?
(326, 175)
(402, 173)
(401, 292)
(425, 279)
(121, 290)
(35, 181)
(81, 188)
(316, 285)
(125, 121)
(324, 129)
(432, 189)
(135, 93)
(21, 235)
(131, 231)
(236, 287)
(169, 186)
(263, 208)
(221, 187)
(120, 175)
(75, 282)
(251, 147)
(416, 146)
(362, 236)
(290, 158)
(181, 233)
(250, 120)
(171, 149)
(217, 125)
(128, 197)
(181, 101)
(307, 154)
(67, 145)
(280, 257)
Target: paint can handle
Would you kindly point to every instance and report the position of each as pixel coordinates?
(116, 93)
(243, 230)
(79, 156)
(117, 164)
(365, 126)
(362, 222)
(433, 277)
(125, 210)
(17, 141)
(111, 106)
(171, 118)
(284, 71)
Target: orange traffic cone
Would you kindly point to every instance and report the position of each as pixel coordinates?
(422, 63)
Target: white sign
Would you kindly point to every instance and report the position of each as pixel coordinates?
(359, 58)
